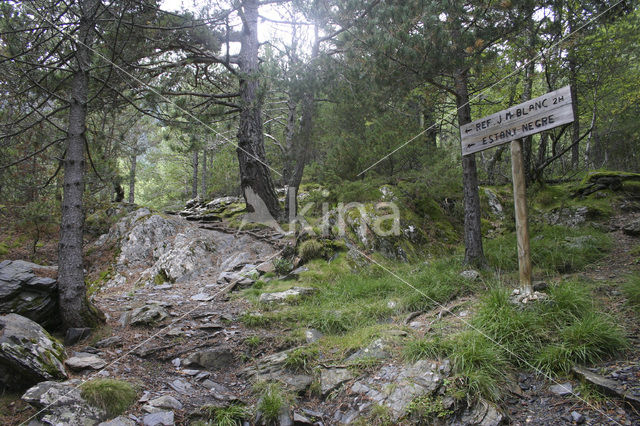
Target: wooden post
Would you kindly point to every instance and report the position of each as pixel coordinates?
(522, 227)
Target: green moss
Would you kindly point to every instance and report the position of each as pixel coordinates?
(3, 249)
(113, 396)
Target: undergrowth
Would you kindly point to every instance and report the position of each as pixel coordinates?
(548, 336)
(554, 249)
(348, 301)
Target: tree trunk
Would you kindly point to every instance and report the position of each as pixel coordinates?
(74, 305)
(255, 178)
(204, 174)
(473, 253)
(194, 181)
(573, 81)
(302, 141)
(132, 178)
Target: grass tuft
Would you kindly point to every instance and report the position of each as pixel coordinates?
(554, 249)
(272, 400)
(113, 396)
(231, 415)
(631, 290)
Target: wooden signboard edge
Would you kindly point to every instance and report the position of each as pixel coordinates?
(520, 199)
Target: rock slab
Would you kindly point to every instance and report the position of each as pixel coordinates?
(24, 293)
(28, 354)
(62, 404)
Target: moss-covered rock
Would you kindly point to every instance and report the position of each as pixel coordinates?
(28, 354)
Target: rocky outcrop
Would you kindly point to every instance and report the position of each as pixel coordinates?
(24, 293)
(62, 404)
(28, 354)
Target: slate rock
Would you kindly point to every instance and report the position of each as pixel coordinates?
(284, 296)
(166, 401)
(24, 293)
(74, 335)
(577, 417)
(160, 418)
(272, 368)
(150, 314)
(28, 354)
(181, 386)
(376, 350)
(562, 389)
(332, 378)
(85, 362)
(62, 404)
(119, 421)
(312, 335)
(109, 342)
(483, 413)
(211, 359)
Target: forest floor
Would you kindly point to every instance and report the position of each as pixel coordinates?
(153, 357)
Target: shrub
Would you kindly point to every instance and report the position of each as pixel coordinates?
(311, 249)
(113, 396)
(282, 266)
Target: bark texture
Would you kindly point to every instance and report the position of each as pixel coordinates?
(74, 305)
(132, 178)
(254, 173)
(473, 253)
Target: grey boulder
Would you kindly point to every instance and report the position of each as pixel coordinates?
(28, 354)
(24, 293)
(62, 404)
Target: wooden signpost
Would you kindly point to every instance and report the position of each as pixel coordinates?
(511, 125)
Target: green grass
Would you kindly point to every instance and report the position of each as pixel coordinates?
(113, 396)
(231, 415)
(549, 336)
(554, 249)
(301, 359)
(347, 301)
(310, 249)
(631, 290)
(272, 398)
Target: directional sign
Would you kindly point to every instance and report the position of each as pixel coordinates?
(530, 117)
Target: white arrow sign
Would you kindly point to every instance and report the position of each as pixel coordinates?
(543, 113)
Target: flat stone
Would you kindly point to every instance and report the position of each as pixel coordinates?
(62, 404)
(577, 417)
(119, 421)
(109, 342)
(211, 359)
(160, 418)
(376, 350)
(181, 386)
(611, 387)
(470, 275)
(562, 389)
(166, 402)
(202, 297)
(332, 378)
(79, 363)
(149, 314)
(312, 335)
